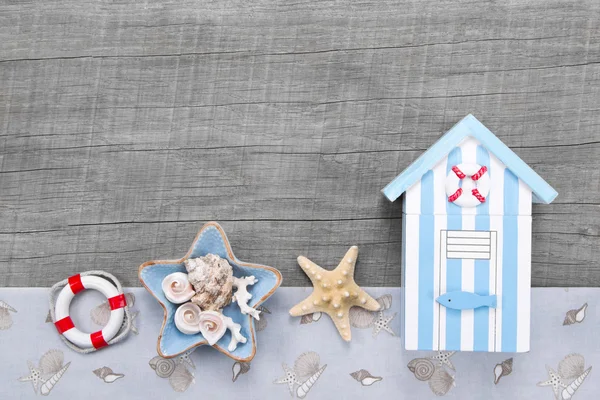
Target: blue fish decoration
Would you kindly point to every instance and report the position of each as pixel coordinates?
(466, 300)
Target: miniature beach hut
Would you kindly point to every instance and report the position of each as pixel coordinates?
(467, 236)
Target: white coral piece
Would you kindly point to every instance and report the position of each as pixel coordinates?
(236, 336)
(241, 296)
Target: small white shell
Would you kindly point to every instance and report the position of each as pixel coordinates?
(177, 288)
(212, 326)
(187, 318)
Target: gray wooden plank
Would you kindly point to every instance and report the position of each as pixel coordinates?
(124, 127)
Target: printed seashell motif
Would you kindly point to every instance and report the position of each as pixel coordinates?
(310, 318)
(361, 318)
(571, 366)
(239, 368)
(49, 384)
(570, 390)
(101, 314)
(187, 318)
(261, 324)
(212, 326)
(181, 378)
(441, 382)
(575, 316)
(164, 367)
(212, 278)
(5, 318)
(107, 374)
(502, 369)
(385, 302)
(423, 368)
(49, 317)
(177, 288)
(186, 360)
(48, 373)
(304, 388)
(365, 378)
(307, 364)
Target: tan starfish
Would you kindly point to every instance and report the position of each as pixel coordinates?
(334, 292)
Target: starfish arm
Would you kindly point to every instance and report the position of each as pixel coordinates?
(26, 378)
(545, 383)
(342, 323)
(349, 261)
(376, 330)
(365, 301)
(312, 270)
(306, 306)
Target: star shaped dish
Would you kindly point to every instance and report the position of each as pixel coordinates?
(334, 293)
(211, 239)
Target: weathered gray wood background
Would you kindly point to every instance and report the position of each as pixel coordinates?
(124, 126)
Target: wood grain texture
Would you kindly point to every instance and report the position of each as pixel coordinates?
(124, 126)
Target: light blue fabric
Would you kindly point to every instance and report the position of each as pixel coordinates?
(282, 341)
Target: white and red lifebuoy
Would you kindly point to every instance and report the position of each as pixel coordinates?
(467, 185)
(64, 323)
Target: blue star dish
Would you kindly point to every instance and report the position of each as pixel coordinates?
(210, 240)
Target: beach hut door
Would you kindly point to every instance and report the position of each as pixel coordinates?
(468, 264)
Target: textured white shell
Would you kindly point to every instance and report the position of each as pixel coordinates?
(177, 288)
(212, 278)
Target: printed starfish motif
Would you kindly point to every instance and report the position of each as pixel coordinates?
(383, 322)
(290, 378)
(554, 381)
(444, 359)
(334, 293)
(35, 376)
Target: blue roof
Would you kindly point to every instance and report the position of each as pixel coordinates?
(470, 126)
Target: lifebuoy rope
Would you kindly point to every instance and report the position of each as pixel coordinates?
(478, 195)
(479, 173)
(458, 172)
(461, 175)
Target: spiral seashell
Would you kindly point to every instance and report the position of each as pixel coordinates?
(212, 326)
(365, 378)
(238, 369)
(177, 288)
(575, 316)
(423, 368)
(187, 318)
(502, 369)
(441, 382)
(164, 367)
(212, 278)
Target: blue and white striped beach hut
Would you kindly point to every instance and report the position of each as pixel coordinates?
(467, 228)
